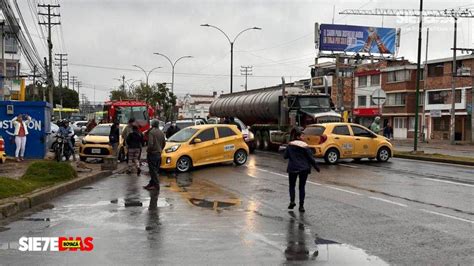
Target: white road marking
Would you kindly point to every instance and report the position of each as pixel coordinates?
(349, 166)
(270, 172)
(343, 190)
(449, 182)
(389, 201)
(314, 183)
(430, 162)
(448, 216)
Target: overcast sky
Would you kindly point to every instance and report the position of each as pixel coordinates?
(121, 33)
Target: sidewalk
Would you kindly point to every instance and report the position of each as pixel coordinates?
(436, 147)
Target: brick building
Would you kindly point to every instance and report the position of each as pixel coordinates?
(438, 97)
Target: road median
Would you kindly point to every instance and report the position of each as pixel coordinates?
(31, 191)
(434, 157)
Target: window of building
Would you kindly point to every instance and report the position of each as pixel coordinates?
(441, 123)
(399, 122)
(362, 100)
(395, 99)
(374, 80)
(341, 130)
(411, 123)
(398, 76)
(225, 132)
(207, 135)
(362, 81)
(442, 97)
(435, 70)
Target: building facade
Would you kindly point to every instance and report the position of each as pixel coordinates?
(195, 105)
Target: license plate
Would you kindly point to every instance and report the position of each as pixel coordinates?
(95, 151)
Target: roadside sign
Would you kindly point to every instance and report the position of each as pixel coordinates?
(379, 97)
(435, 113)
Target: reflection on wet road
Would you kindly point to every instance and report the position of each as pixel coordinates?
(359, 214)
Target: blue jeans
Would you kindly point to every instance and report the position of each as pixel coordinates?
(154, 162)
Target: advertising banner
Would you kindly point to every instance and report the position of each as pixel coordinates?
(357, 39)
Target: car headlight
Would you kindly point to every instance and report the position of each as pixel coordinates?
(173, 148)
(84, 141)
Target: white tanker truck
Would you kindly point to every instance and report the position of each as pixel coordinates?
(274, 113)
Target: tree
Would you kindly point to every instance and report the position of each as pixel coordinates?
(167, 102)
(69, 96)
(118, 94)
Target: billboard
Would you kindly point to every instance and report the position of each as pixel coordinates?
(357, 39)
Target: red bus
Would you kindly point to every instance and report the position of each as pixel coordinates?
(126, 109)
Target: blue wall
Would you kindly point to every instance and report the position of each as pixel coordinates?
(38, 128)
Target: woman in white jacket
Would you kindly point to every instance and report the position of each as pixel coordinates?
(21, 131)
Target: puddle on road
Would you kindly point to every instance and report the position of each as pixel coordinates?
(299, 247)
(36, 219)
(203, 193)
(155, 202)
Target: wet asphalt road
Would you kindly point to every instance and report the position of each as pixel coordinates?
(400, 212)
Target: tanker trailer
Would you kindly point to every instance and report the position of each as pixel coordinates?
(271, 115)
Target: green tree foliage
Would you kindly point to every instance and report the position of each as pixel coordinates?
(70, 97)
(118, 94)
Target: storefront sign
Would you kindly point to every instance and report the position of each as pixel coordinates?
(435, 113)
(366, 112)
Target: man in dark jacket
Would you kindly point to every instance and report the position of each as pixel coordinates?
(114, 137)
(299, 164)
(134, 143)
(156, 143)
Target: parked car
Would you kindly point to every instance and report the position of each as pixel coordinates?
(96, 143)
(79, 127)
(202, 145)
(184, 123)
(334, 141)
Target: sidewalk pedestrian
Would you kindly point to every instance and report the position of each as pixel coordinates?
(21, 131)
(388, 131)
(91, 125)
(127, 130)
(134, 142)
(156, 143)
(173, 129)
(375, 126)
(114, 137)
(300, 160)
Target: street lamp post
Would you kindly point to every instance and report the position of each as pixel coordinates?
(172, 67)
(231, 47)
(147, 73)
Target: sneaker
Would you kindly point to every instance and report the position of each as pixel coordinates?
(301, 209)
(291, 206)
(18, 159)
(21, 159)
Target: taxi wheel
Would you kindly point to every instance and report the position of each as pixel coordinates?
(183, 164)
(240, 157)
(383, 154)
(331, 156)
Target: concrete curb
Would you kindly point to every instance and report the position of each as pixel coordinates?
(426, 159)
(30, 200)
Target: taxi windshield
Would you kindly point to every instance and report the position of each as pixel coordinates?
(183, 135)
(101, 130)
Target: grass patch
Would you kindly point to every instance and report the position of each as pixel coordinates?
(38, 174)
(435, 156)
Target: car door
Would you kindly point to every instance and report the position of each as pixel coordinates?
(364, 141)
(203, 152)
(344, 140)
(226, 143)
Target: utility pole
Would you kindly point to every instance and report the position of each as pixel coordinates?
(4, 70)
(123, 82)
(425, 73)
(452, 123)
(246, 71)
(49, 23)
(339, 96)
(73, 81)
(61, 58)
(35, 92)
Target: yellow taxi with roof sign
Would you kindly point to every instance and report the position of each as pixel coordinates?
(202, 145)
(334, 141)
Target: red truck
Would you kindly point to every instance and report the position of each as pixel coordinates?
(125, 109)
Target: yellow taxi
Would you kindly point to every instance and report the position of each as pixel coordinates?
(96, 143)
(334, 141)
(202, 145)
(3, 156)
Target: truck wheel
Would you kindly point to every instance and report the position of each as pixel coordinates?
(258, 140)
(265, 141)
(240, 157)
(331, 156)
